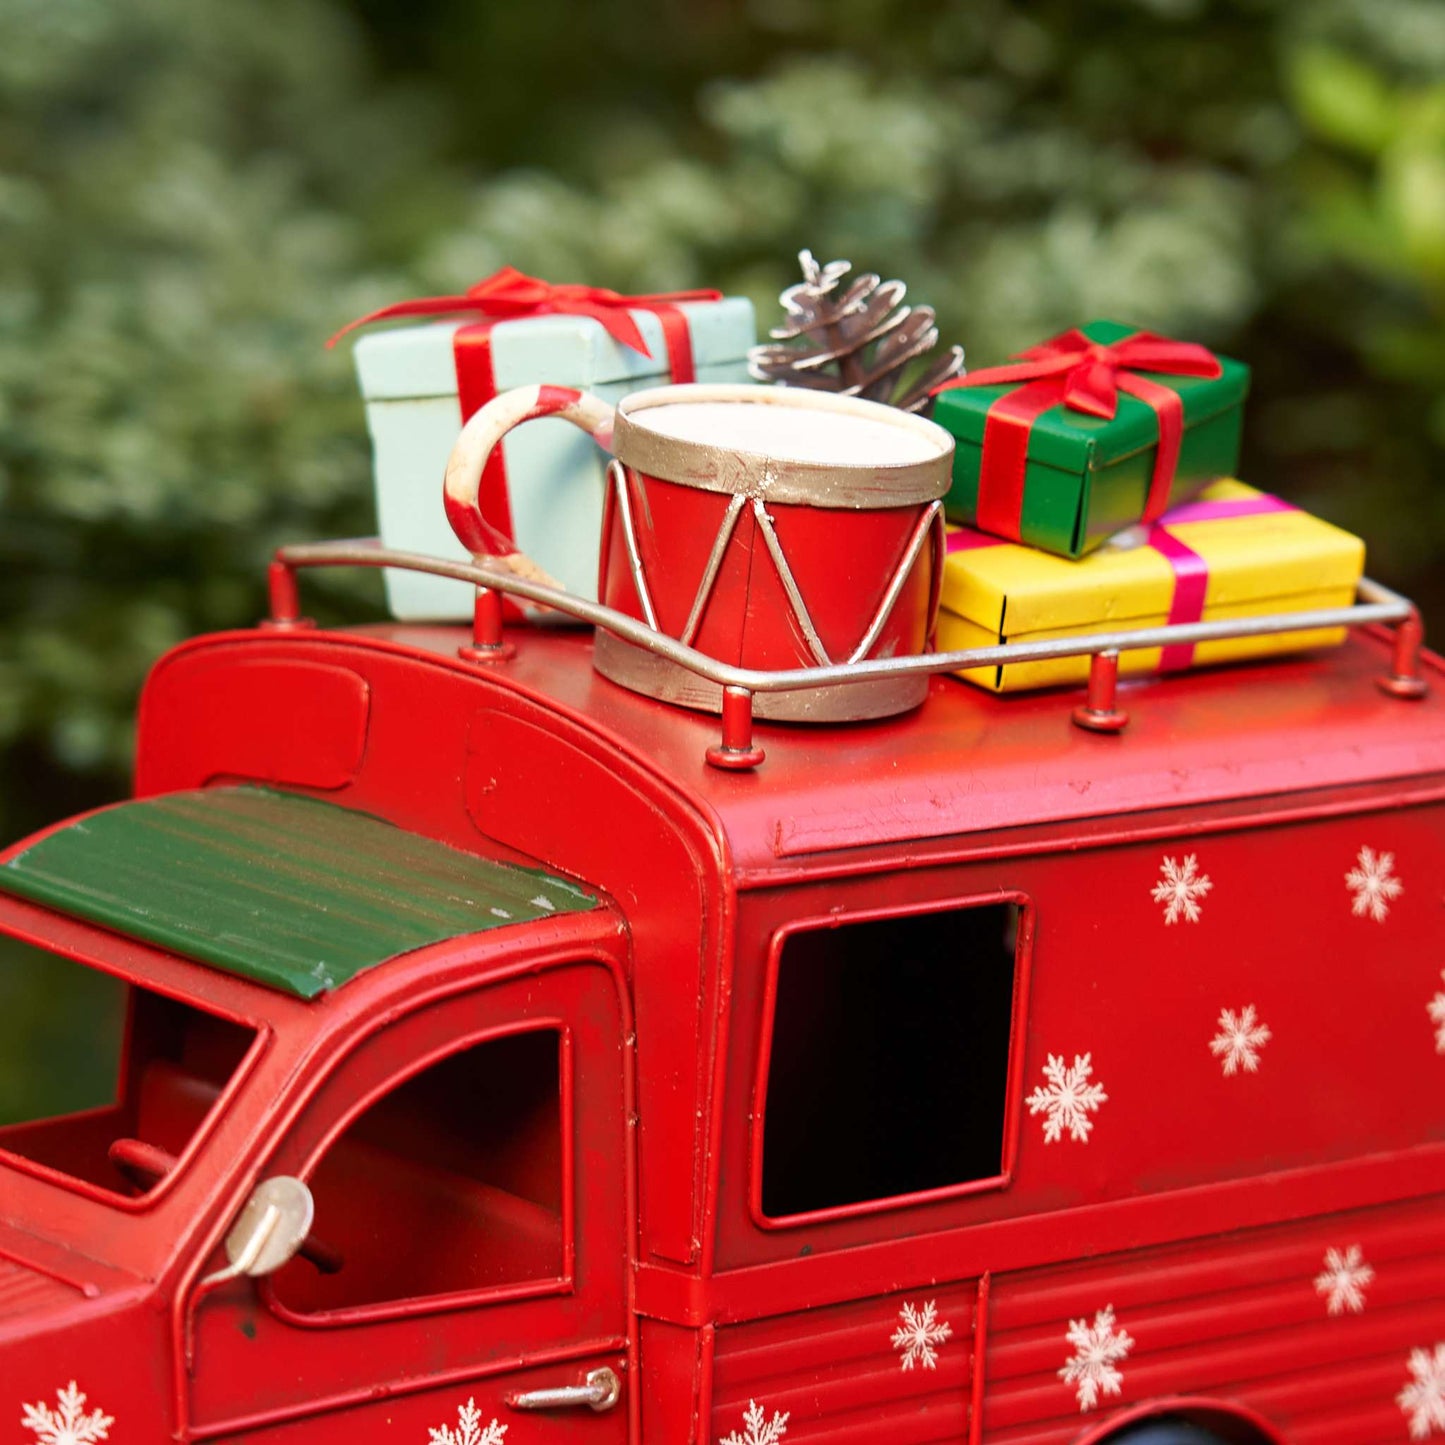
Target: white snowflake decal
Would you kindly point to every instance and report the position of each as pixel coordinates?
(1180, 888)
(70, 1424)
(1068, 1099)
(757, 1430)
(1344, 1279)
(1240, 1038)
(1372, 880)
(1436, 1008)
(470, 1430)
(1423, 1399)
(918, 1332)
(1097, 1349)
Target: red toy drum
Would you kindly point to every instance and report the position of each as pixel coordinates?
(769, 527)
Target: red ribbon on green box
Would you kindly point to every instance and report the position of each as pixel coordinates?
(511, 295)
(1086, 376)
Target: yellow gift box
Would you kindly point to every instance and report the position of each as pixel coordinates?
(1234, 552)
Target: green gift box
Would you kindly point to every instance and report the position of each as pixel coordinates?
(1090, 433)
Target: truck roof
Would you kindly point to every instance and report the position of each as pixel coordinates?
(968, 761)
(289, 891)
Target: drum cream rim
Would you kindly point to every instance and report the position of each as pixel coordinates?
(771, 479)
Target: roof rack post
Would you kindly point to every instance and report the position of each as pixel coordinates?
(487, 644)
(736, 753)
(1097, 713)
(284, 594)
(1404, 680)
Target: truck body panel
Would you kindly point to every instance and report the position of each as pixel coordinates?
(896, 1081)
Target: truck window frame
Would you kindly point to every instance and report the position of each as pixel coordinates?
(134, 979)
(416, 1305)
(1013, 1085)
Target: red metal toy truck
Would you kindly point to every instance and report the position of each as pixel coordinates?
(506, 1058)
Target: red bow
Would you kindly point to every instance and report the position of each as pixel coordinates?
(1085, 376)
(510, 293)
(1090, 370)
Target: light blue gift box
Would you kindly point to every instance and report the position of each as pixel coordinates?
(555, 474)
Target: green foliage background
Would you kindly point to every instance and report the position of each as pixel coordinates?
(194, 194)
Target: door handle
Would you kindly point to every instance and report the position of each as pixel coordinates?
(600, 1391)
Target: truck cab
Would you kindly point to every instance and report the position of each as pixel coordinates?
(966, 1075)
(436, 1104)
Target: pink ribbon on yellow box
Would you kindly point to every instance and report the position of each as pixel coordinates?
(1191, 571)
(1058, 597)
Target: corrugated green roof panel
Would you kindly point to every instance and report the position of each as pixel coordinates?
(292, 892)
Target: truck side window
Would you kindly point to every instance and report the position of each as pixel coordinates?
(888, 1060)
(450, 1183)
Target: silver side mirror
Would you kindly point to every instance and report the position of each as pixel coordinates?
(269, 1230)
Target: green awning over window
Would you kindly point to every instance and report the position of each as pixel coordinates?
(294, 893)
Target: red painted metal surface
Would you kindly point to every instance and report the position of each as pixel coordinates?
(278, 720)
(1191, 1240)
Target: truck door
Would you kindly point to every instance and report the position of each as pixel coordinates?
(470, 1241)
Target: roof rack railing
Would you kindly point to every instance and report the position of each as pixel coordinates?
(1099, 712)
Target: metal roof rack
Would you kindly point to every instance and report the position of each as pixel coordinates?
(1099, 712)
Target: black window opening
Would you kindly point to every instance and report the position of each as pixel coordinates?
(888, 1064)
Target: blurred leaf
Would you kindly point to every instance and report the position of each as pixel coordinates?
(1412, 192)
(1343, 99)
